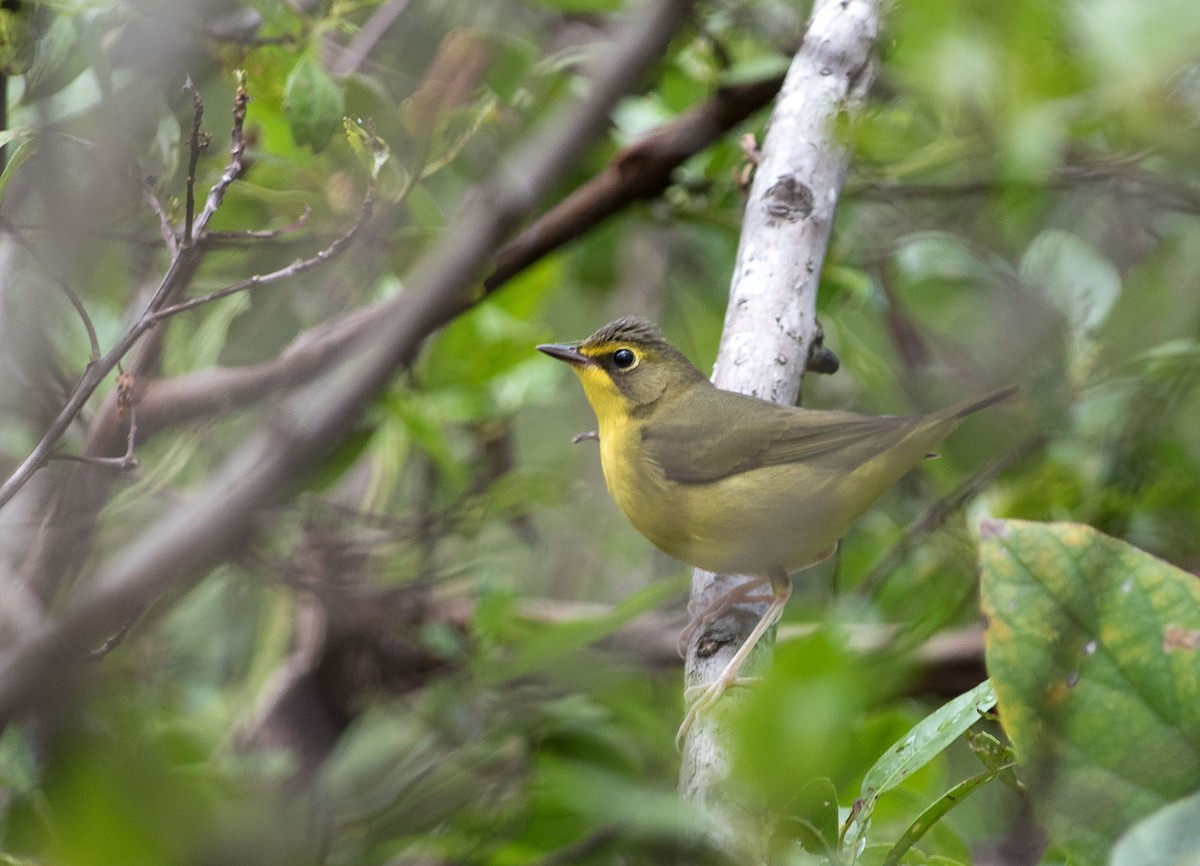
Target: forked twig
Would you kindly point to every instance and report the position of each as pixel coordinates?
(182, 266)
(164, 221)
(126, 408)
(295, 268)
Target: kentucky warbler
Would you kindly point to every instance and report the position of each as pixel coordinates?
(731, 483)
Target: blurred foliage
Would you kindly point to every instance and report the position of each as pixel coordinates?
(1088, 636)
(372, 681)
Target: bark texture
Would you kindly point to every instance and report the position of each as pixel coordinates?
(770, 330)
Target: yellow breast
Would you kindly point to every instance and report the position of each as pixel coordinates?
(658, 510)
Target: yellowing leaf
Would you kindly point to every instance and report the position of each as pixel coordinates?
(1097, 681)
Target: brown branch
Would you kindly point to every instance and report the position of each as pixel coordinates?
(163, 403)
(217, 520)
(128, 408)
(178, 274)
(1124, 170)
(640, 171)
(352, 56)
(192, 396)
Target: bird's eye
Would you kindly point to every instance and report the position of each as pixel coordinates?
(624, 358)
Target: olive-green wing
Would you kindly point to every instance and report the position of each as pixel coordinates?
(721, 434)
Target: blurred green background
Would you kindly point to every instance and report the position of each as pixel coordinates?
(449, 646)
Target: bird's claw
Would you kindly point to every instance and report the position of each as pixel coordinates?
(704, 698)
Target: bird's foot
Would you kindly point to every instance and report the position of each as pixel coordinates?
(747, 593)
(704, 698)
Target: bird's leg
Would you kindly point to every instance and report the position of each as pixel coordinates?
(781, 591)
(740, 594)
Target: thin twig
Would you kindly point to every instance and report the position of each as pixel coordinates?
(266, 467)
(182, 266)
(257, 41)
(263, 234)
(941, 510)
(61, 282)
(110, 643)
(197, 142)
(164, 221)
(1141, 183)
(126, 461)
(641, 171)
(3, 119)
(237, 153)
(295, 268)
(368, 36)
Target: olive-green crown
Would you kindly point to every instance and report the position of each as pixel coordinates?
(632, 329)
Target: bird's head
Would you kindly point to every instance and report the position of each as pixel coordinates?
(627, 366)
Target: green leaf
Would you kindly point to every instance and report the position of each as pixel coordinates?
(1092, 646)
(314, 103)
(998, 757)
(922, 744)
(206, 341)
(392, 181)
(813, 817)
(341, 459)
(420, 420)
(17, 41)
(453, 131)
(935, 813)
(1169, 837)
(605, 798)
(1077, 280)
(60, 57)
(551, 643)
(17, 156)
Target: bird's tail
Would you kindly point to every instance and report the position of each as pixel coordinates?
(962, 410)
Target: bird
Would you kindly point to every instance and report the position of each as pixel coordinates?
(731, 483)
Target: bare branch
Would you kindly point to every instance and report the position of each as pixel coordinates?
(1125, 171)
(164, 222)
(199, 394)
(214, 522)
(640, 171)
(263, 234)
(294, 269)
(197, 142)
(126, 461)
(237, 153)
(196, 395)
(178, 274)
(352, 56)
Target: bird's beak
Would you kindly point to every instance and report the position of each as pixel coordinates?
(566, 352)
